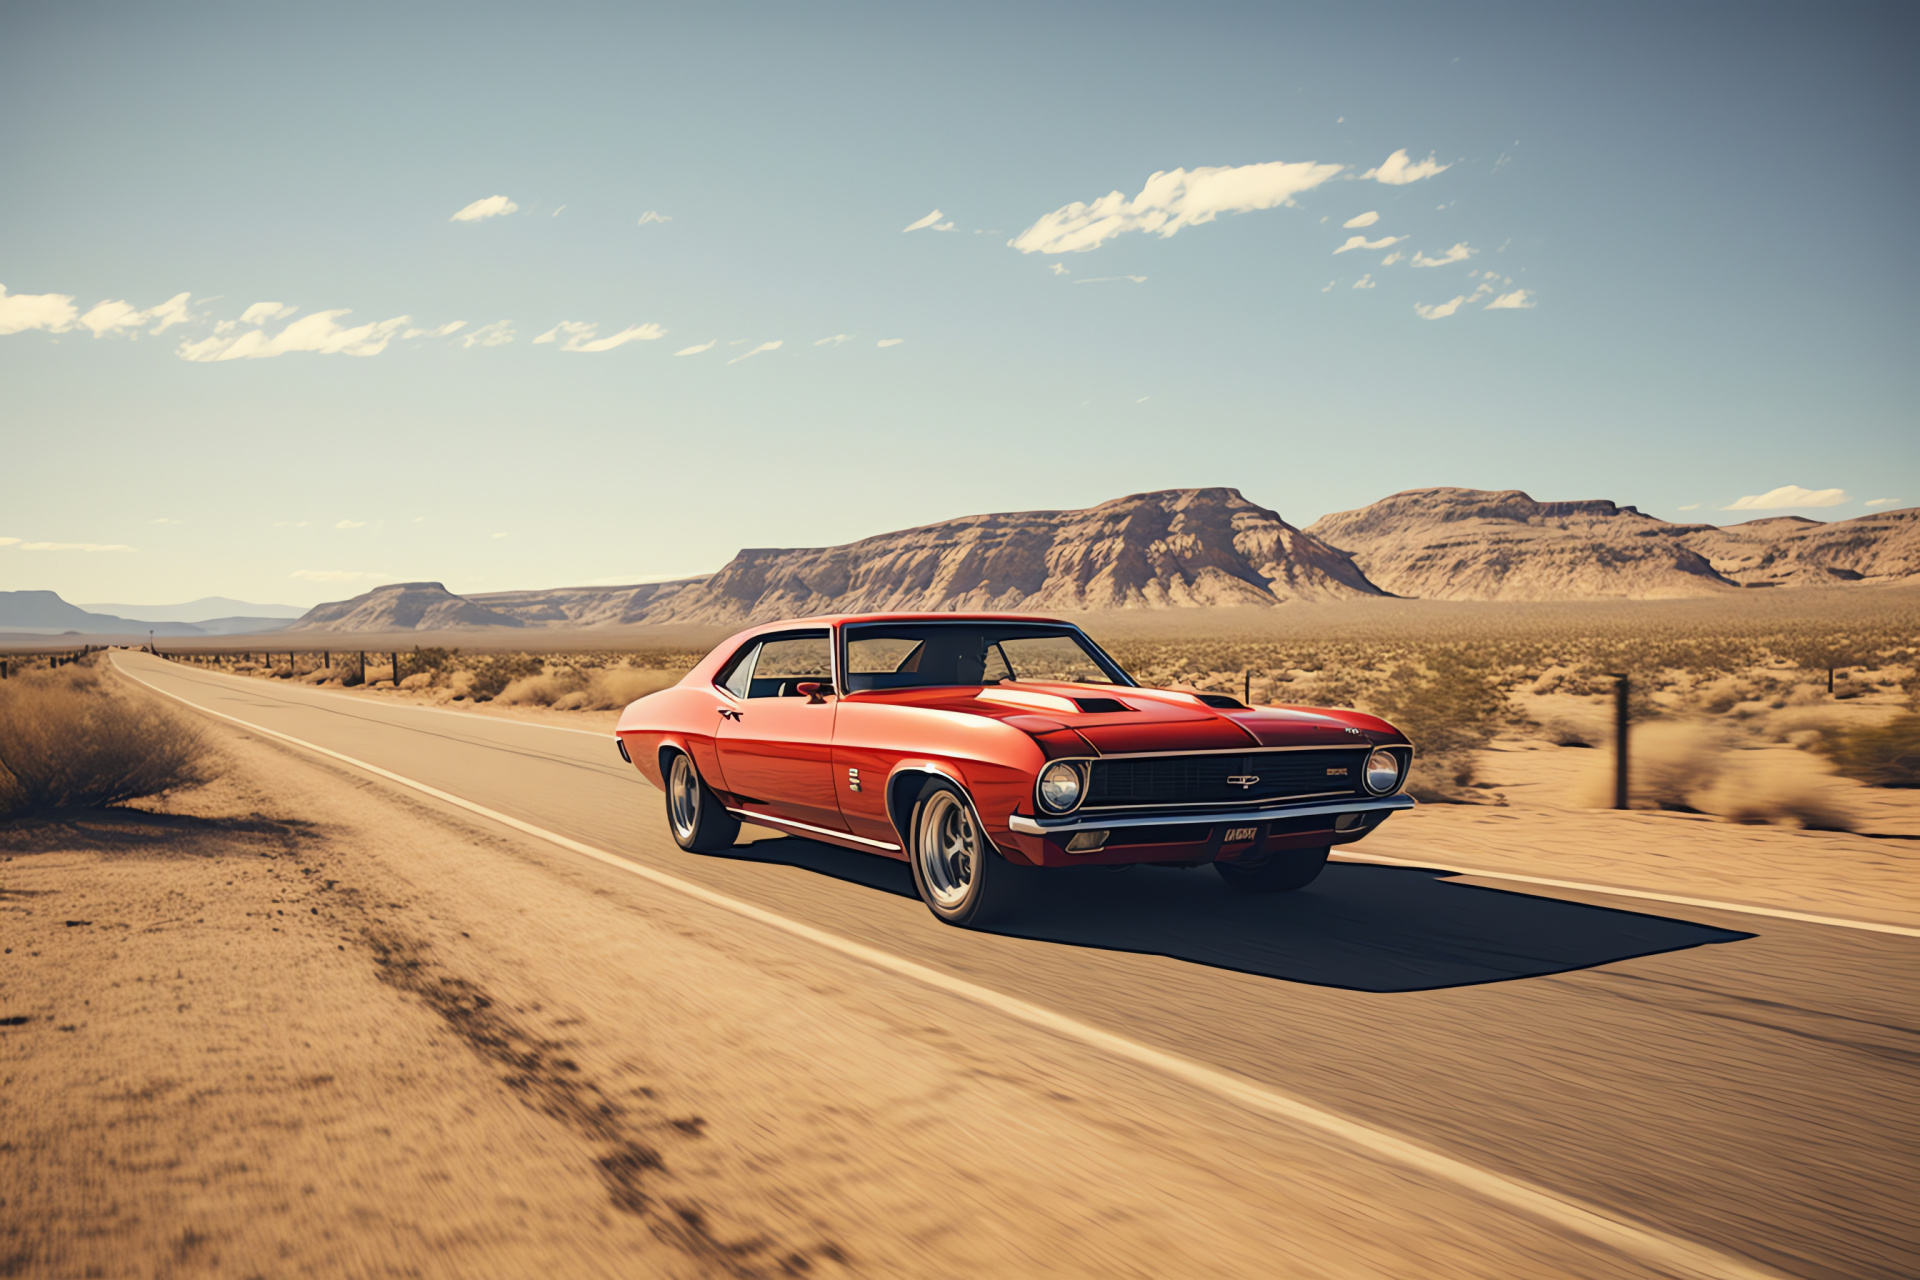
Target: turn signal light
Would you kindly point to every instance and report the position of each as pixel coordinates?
(1086, 841)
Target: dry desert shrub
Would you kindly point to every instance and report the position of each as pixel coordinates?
(1450, 708)
(594, 689)
(1886, 755)
(70, 741)
(1693, 767)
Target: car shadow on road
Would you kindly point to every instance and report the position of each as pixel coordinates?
(1358, 927)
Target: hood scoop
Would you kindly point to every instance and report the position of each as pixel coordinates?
(1100, 706)
(1055, 703)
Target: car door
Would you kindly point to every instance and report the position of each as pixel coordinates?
(776, 743)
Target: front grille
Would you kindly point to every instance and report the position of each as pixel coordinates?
(1202, 779)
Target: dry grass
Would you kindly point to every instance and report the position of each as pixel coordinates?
(591, 689)
(1696, 766)
(69, 740)
(1885, 755)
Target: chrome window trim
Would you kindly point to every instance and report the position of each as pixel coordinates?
(1126, 677)
(1025, 825)
(801, 633)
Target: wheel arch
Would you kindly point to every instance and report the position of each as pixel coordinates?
(904, 785)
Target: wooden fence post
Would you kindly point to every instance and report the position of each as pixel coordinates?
(1620, 690)
(396, 669)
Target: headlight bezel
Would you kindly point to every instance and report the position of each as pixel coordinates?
(1061, 769)
(1397, 758)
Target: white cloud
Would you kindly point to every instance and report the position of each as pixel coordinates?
(834, 341)
(651, 216)
(451, 326)
(503, 535)
(1392, 258)
(1361, 242)
(1459, 253)
(889, 342)
(107, 317)
(336, 575)
(579, 336)
(765, 346)
(316, 333)
(1059, 269)
(1789, 495)
(1111, 279)
(497, 334)
(1882, 502)
(1691, 506)
(1396, 171)
(266, 313)
(1364, 220)
(1170, 201)
(22, 311)
(351, 524)
(1438, 310)
(9, 542)
(70, 546)
(1518, 300)
(694, 351)
(927, 221)
(1364, 282)
(556, 211)
(1328, 286)
(491, 207)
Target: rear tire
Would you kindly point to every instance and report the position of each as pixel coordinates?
(959, 874)
(695, 816)
(1280, 872)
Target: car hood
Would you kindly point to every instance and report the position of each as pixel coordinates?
(1119, 721)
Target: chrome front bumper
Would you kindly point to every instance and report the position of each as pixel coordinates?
(1266, 813)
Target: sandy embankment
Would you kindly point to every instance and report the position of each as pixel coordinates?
(316, 1027)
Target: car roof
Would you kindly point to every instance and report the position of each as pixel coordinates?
(843, 619)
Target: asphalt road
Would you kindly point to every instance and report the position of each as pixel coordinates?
(1746, 1083)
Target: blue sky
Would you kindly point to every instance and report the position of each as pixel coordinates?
(1696, 219)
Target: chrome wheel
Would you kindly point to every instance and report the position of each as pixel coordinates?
(948, 849)
(683, 798)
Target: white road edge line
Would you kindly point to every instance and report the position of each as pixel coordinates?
(1872, 926)
(1647, 1244)
(1838, 922)
(605, 735)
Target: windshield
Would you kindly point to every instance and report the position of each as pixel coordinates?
(907, 655)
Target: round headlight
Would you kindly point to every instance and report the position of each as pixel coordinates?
(1383, 772)
(1060, 787)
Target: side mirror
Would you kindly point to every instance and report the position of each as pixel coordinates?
(815, 691)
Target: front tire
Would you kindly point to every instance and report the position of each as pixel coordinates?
(1281, 872)
(695, 816)
(960, 876)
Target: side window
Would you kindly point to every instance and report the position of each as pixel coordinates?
(788, 661)
(736, 673)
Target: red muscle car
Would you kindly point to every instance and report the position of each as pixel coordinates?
(961, 743)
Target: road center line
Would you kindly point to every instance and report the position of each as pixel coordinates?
(1648, 1244)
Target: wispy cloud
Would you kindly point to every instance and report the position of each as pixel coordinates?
(1361, 242)
(1059, 268)
(928, 221)
(889, 342)
(1112, 280)
(1691, 506)
(1328, 286)
(694, 351)
(1439, 310)
(64, 546)
(1518, 300)
(20, 312)
(1882, 502)
(491, 207)
(497, 334)
(651, 216)
(1789, 495)
(765, 346)
(318, 333)
(266, 313)
(337, 575)
(577, 335)
(451, 326)
(1364, 220)
(834, 341)
(1170, 201)
(350, 524)
(1364, 282)
(108, 317)
(1398, 171)
(1459, 253)
(1396, 256)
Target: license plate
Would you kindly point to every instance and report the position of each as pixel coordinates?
(1237, 834)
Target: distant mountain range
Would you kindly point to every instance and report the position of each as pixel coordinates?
(38, 613)
(205, 609)
(1194, 548)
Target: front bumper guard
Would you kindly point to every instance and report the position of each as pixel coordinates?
(1073, 822)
